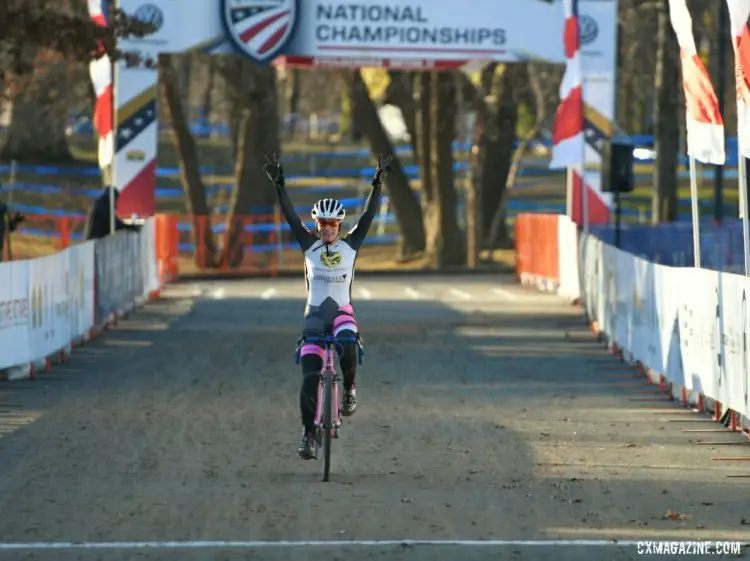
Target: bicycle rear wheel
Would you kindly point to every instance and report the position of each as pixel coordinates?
(327, 424)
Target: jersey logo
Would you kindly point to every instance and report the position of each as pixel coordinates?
(332, 259)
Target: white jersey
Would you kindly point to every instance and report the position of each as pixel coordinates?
(329, 268)
(329, 272)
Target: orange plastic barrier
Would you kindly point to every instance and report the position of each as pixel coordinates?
(42, 234)
(167, 240)
(217, 243)
(184, 243)
(537, 255)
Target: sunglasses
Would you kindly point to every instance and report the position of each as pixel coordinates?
(327, 222)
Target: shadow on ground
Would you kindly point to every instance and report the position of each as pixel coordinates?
(182, 424)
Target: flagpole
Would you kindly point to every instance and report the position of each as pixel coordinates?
(115, 98)
(584, 187)
(738, 16)
(742, 178)
(584, 191)
(695, 214)
(569, 191)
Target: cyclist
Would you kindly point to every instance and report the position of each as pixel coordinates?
(329, 271)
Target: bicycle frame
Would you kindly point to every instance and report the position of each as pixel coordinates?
(329, 369)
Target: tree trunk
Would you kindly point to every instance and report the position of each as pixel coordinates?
(422, 92)
(541, 113)
(185, 62)
(405, 204)
(190, 177)
(39, 115)
(496, 153)
(237, 79)
(292, 95)
(666, 119)
(444, 243)
(400, 92)
(253, 197)
(207, 97)
(423, 132)
(475, 210)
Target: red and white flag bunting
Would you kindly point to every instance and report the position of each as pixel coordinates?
(100, 70)
(705, 126)
(567, 131)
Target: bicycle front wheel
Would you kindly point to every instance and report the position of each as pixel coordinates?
(327, 424)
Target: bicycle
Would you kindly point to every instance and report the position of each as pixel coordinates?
(328, 422)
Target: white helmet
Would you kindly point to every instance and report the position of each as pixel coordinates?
(329, 209)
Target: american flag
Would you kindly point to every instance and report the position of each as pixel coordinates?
(705, 126)
(100, 70)
(567, 131)
(262, 25)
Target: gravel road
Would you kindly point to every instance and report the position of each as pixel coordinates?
(487, 412)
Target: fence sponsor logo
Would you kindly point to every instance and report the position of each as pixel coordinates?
(717, 336)
(152, 14)
(611, 290)
(14, 313)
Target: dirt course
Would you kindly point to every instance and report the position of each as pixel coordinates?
(487, 412)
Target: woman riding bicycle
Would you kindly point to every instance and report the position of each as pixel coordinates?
(329, 272)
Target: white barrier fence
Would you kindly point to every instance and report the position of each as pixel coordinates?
(51, 303)
(688, 325)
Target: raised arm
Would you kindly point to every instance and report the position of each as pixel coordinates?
(356, 236)
(303, 236)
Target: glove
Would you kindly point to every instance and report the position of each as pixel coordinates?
(382, 170)
(274, 171)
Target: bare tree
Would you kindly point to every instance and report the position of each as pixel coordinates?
(190, 176)
(400, 93)
(254, 90)
(27, 26)
(405, 204)
(38, 41)
(208, 90)
(436, 125)
(292, 97)
(495, 135)
(543, 81)
(666, 117)
(39, 112)
(637, 30)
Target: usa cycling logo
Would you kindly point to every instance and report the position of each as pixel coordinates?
(260, 29)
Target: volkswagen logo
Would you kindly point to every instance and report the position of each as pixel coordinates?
(588, 29)
(149, 13)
